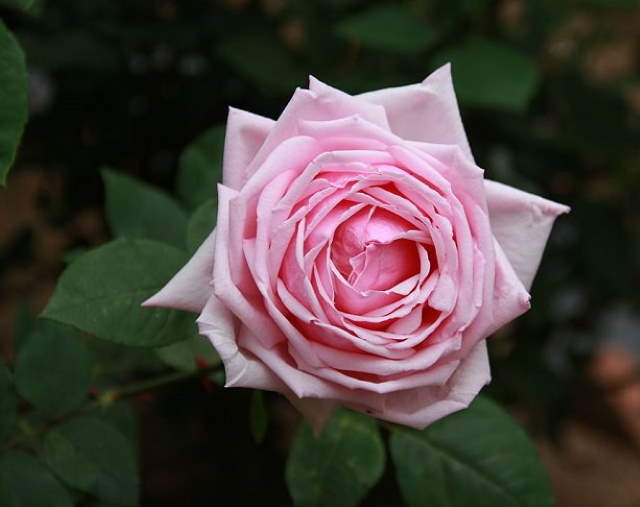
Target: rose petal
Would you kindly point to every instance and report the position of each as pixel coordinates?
(420, 407)
(427, 111)
(521, 222)
(303, 384)
(325, 104)
(242, 369)
(245, 134)
(316, 412)
(342, 102)
(190, 288)
(437, 375)
(511, 299)
(216, 323)
(249, 312)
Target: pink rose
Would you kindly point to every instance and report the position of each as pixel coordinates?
(360, 257)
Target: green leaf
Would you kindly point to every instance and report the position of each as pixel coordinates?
(259, 417)
(75, 253)
(201, 168)
(491, 75)
(201, 224)
(7, 402)
(90, 455)
(24, 482)
(114, 362)
(183, 355)
(137, 210)
(24, 324)
(101, 292)
(263, 61)
(479, 456)
(122, 417)
(53, 369)
(340, 466)
(390, 28)
(13, 99)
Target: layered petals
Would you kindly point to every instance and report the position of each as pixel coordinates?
(426, 112)
(360, 257)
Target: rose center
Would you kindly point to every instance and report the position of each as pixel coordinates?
(371, 252)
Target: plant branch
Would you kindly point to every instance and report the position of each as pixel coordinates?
(108, 397)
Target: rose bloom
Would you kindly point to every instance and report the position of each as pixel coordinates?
(360, 257)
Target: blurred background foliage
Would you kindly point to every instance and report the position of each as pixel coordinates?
(550, 97)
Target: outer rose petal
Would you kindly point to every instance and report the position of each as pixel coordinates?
(325, 103)
(316, 412)
(521, 222)
(420, 407)
(426, 112)
(245, 134)
(190, 288)
(242, 370)
(217, 323)
(511, 299)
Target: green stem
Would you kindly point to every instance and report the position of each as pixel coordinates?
(109, 397)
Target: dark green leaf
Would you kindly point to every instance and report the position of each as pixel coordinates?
(492, 75)
(478, 457)
(263, 61)
(24, 482)
(7, 402)
(121, 416)
(114, 362)
(201, 168)
(183, 355)
(101, 293)
(90, 455)
(53, 369)
(338, 468)
(74, 254)
(388, 27)
(137, 210)
(259, 416)
(25, 322)
(201, 224)
(13, 99)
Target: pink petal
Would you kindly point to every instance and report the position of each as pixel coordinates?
(366, 363)
(422, 406)
(217, 324)
(325, 103)
(316, 412)
(242, 369)
(190, 288)
(511, 299)
(246, 133)
(300, 382)
(341, 102)
(521, 222)
(427, 111)
(251, 313)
